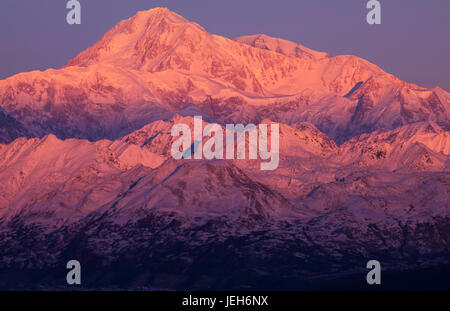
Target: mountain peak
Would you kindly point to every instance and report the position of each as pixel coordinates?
(137, 42)
(157, 10)
(161, 12)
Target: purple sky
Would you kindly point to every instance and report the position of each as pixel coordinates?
(413, 41)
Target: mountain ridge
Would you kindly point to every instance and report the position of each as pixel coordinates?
(86, 170)
(151, 65)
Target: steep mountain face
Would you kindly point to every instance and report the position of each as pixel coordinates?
(154, 64)
(86, 170)
(10, 128)
(420, 146)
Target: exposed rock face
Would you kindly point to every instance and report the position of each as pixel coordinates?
(10, 128)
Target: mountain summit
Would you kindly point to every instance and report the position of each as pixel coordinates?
(141, 41)
(157, 63)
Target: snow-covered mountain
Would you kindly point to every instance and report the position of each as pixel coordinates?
(153, 64)
(422, 146)
(86, 170)
(102, 202)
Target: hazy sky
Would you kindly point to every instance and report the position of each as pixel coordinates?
(413, 41)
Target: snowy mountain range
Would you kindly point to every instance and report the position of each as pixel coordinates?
(86, 171)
